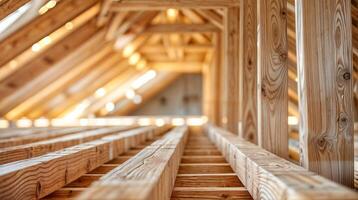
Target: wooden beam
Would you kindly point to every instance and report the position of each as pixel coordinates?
(191, 48)
(11, 154)
(182, 67)
(272, 77)
(212, 17)
(20, 85)
(9, 6)
(248, 65)
(41, 27)
(153, 177)
(181, 28)
(66, 165)
(165, 4)
(324, 41)
(26, 139)
(266, 175)
(230, 73)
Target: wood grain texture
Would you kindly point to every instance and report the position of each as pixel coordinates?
(267, 176)
(230, 70)
(9, 6)
(11, 154)
(37, 177)
(324, 46)
(248, 65)
(272, 77)
(40, 27)
(165, 4)
(148, 175)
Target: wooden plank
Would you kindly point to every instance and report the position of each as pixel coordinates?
(182, 67)
(166, 4)
(181, 28)
(152, 172)
(41, 27)
(230, 73)
(208, 180)
(11, 154)
(43, 64)
(40, 136)
(210, 193)
(266, 175)
(9, 6)
(37, 177)
(324, 40)
(272, 76)
(212, 17)
(248, 65)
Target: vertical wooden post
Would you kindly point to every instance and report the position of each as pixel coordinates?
(248, 65)
(230, 76)
(324, 48)
(272, 76)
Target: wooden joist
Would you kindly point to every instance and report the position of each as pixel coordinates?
(181, 28)
(267, 176)
(326, 99)
(44, 135)
(11, 154)
(38, 177)
(166, 4)
(144, 176)
(41, 27)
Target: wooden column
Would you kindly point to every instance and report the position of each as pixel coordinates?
(248, 65)
(324, 48)
(272, 76)
(230, 71)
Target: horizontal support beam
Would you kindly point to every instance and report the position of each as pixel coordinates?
(267, 175)
(12, 154)
(187, 48)
(52, 171)
(136, 5)
(144, 176)
(183, 67)
(181, 28)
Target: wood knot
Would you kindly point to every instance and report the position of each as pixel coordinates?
(263, 90)
(322, 141)
(283, 56)
(347, 76)
(283, 14)
(250, 62)
(38, 189)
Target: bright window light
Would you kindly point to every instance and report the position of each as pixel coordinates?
(137, 99)
(145, 78)
(178, 121)
(144, 122)
(196, 121)
(13, 17)
(77, 112)
(134, 59)
(110, 106)
(172, 14)
(49, 5)
(4, 123)
(42, 122)
(130, 94)
(100, 93)
(128, 50)
(292, 120)
(23, 123)
(160, 122)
